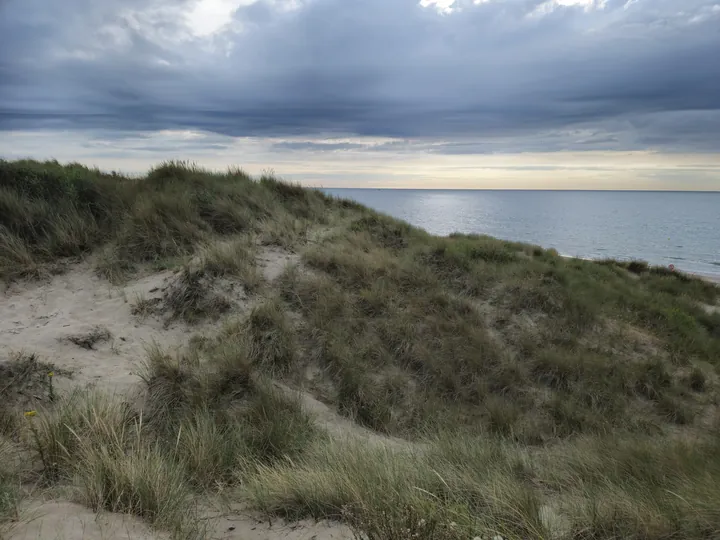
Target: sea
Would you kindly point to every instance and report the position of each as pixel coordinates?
(661, 227)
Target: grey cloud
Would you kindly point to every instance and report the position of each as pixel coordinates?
(635, 75)
(188, 146)
(318, 147)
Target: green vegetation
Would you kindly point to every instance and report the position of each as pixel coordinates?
(206, 422)
(501, 337)
(537, 396)
(462, 487)
(49, 211)
(8, 480)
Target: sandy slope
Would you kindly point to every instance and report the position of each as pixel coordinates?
(62, 520)
(40, 317)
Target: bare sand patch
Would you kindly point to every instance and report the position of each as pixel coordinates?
(235, 522)
(62, 520)
(80, 323)
(273, 261)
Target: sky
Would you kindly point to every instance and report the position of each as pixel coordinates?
(514, 94)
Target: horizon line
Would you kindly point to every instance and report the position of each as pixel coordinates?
(527, 189)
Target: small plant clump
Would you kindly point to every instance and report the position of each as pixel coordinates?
(88, 340)
(25, 380)
(190, 297)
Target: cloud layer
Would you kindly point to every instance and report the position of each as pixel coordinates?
(480, 77)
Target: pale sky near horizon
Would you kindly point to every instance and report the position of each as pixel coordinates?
(515, 94)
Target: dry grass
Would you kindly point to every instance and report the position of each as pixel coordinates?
(233, 259)
(143, 307)
(127, 474)
(191, 297)
(49, 211)
(24, 382)
(204, 422)
(463, 487)
(214, 391)
(9, 481)
(88, 340)
(57, 434)
(194, 294)
(271, 337)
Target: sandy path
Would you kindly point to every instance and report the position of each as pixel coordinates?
(235, 523)
(40, 317)
(273, 260)
(62, 520)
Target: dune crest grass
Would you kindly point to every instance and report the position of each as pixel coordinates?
(50, 211)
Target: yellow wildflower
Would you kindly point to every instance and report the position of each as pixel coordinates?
(30, 413)
(51, 374)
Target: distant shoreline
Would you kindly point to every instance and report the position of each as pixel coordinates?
(518, 189)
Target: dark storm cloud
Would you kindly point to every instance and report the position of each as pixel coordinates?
(496, 76)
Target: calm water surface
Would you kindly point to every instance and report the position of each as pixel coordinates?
(680, 228)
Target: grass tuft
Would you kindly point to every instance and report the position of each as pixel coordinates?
(135, 478)
(271, 337)
(88, 340)
(190, 297)
(235, 259)
(9, 481)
